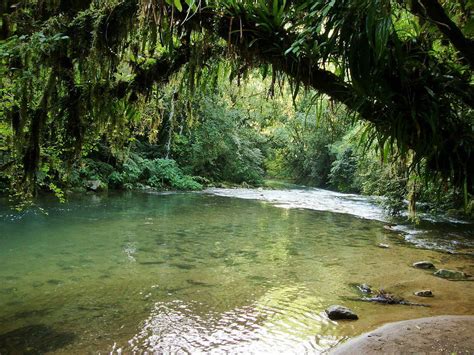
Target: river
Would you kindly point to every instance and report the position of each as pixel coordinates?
(224, 270)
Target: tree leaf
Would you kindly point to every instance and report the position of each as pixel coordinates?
(177, 4)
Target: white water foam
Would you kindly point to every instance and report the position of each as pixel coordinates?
(352, 204)
(310, 198)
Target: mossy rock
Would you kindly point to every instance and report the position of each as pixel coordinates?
(451, 274)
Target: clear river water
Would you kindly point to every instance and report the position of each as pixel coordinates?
(239, 271)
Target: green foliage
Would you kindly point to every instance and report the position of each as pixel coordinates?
(343, 170)
(221, 146)
(90, 169)
(57, 192)
(302, 143)
(151, 78)
(137, 172)
(307, 157)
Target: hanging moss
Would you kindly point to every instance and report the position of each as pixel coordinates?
(107, 56)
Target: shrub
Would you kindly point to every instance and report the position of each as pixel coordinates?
(137, 172)
(343, 172)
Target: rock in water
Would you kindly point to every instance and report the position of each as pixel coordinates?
(424, 293)
(381, 296)
(389, 227)
(384, 246)
(93, 185)
(364, 288)
(424, 265)
(337, 312)
(450, 274)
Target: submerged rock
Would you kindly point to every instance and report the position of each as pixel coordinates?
(424, 265)
(424, 293)
(54, 282)
(337, 312)
(384, 246)
(451, 274)
(183, 266)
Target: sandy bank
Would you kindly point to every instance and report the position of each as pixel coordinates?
(433, 335)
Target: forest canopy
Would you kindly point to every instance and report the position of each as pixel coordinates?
(76, 72)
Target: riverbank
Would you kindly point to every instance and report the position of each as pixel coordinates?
(441, 334)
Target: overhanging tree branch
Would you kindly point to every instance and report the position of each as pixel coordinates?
(435, 12)
(404, 117)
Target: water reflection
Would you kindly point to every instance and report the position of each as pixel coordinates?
(200, 272)
(434, 232)
(282, 320)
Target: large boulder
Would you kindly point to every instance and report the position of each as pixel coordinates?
(337, 312)
(423, 265)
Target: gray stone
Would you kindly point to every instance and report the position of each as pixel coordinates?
(450, 274)
(424, 265)
(94, 185)
(337, 312)
(424, 293)
(364, 288)
(384, 246)
(381, 296)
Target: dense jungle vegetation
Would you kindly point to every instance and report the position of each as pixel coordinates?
(369, 96)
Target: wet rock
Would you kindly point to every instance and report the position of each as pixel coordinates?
(389, 227)
(424, 265)
(94, 185)
(424, 293)
(337, 312)
(383, 297)
(451, 274)
(384, 246)
(364, 288)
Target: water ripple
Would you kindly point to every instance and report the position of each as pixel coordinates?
(282, 320)
(426, 235)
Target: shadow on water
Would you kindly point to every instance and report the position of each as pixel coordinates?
(34, 339)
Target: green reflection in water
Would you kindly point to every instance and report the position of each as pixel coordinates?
(201, 273)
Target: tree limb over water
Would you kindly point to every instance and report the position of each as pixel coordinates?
(407, 80)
